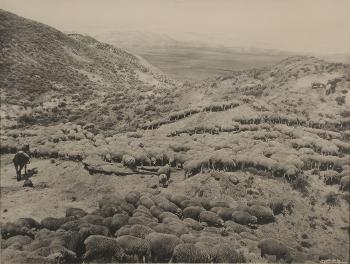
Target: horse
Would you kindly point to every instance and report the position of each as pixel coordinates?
(20, 160)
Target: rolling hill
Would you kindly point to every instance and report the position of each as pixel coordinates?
(48, 77)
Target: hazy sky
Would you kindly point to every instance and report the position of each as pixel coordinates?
(321, 26)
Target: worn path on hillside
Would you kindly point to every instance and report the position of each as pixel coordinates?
(65, 181)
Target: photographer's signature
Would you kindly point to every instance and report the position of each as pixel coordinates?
(335, 261)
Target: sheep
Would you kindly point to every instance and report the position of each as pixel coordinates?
(248, 235)
(110, 201)
(16, 256)
(19, 239)
(11, 229)
(27, 222)
(146, 201)
(71, 240)
(163, 180)
(129, 161)
(190, 253)
(118, 220)
(97, 230)
(274, 247)
(225, 213)
(189, 238)
(140, 231)
(177, 199)
(143, 209)
(170, 207)
(102, 247)
(141, 220)
(36, 244)
(43, 234)
(345, 183)
(58, 254)
(263, 214)
(135, 246)
(212, 219)
(127, 207)
(192, 212)
(235, 227)
(142, 212)
(93, 219)
(244, 218)
(108, 211)
(193, 224)
(218, 204)
(215, 209)
(204, 202)
(256, 202)
(188, 202)
(133, 197)
(156, 211)
(165, 215)
(165, 229)
(158, 199)
(224, 253)
(75, 212)
(281, 206)
(162, 246)
(74, 225)
(165, 170)
(174, 227)
(107, 221)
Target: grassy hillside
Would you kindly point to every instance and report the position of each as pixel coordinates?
(50, 77)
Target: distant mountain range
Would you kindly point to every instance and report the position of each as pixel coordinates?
(196, 60)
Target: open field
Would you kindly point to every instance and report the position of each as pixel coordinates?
(196, 63)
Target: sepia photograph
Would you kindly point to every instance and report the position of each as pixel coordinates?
(174, 131)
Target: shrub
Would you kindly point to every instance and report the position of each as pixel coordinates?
(340, 100)
(26, 119)
(301, 184)
(179, 147)
(332, 199)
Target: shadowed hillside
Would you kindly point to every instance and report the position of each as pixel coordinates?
(50, 77)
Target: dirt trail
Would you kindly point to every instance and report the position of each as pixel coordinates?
(68, 185)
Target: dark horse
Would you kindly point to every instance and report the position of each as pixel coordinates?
(20, 160)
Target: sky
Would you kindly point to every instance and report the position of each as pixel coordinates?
(317, 26)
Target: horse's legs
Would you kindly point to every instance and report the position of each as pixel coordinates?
(16, 168)
(18, 171)
(25, 169)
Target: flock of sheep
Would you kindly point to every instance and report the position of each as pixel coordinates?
(152, 227)
(147, 227)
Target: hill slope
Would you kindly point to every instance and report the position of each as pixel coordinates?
(52, 77)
